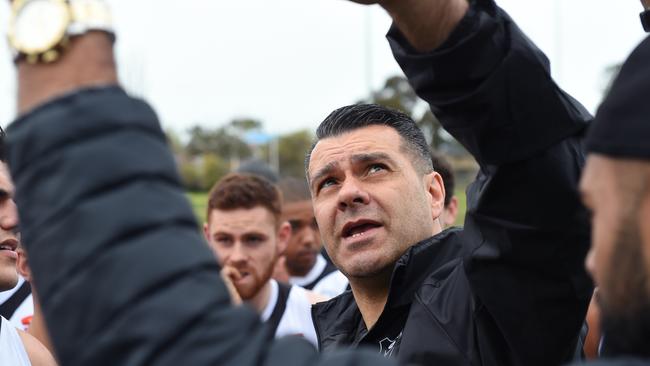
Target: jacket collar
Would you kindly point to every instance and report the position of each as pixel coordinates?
(337, 320)
(419, 262)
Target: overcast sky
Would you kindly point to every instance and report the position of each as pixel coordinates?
(290, 62)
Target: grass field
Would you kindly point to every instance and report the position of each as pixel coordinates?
(199, 202)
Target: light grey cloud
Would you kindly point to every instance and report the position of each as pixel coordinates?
(290, 62)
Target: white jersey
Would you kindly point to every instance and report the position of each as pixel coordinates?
(323, 278)
(296, 318)
(22, 313)
(12, 350)
(332, 285)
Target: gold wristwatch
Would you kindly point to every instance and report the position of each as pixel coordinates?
(40, 30)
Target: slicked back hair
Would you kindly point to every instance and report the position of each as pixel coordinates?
(352, 117)
(245, 191)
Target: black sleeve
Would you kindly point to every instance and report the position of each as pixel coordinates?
(122, 272)
(526, 232)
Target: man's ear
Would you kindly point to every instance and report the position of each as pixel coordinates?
(436, 190)
(22, 265)
(284, 234)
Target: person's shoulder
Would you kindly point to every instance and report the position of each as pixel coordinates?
(332, 285)
(311, 296)
(314, 297)
(38, 354)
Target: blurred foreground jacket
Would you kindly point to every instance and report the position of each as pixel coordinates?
(124, 276)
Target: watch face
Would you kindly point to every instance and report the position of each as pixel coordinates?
(39, 25)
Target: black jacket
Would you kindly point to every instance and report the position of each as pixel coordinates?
(621, 361)
(123, 274)
(510, 288)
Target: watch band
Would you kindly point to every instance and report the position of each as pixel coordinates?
(89, 15)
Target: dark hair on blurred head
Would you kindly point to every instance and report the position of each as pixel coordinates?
(244, 191)
(442, 166)
(259, 168)
(294, 190)
(357, 116)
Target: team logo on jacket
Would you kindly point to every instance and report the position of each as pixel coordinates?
(387, 346)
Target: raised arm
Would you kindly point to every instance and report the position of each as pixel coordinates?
(526, 232)
(123, 274)
(122, 271)
(425, 23)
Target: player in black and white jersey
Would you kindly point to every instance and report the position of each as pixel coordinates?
(17, 304)
(17, 348)
(245, 229)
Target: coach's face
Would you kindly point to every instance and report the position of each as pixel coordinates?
(618, 194)
(370, 201)
(8, 236)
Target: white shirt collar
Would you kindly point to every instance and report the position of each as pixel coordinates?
(273, 300)
(313, 274)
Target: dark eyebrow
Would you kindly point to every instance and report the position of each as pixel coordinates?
(370, 157)
(358, 158)
(255, 233)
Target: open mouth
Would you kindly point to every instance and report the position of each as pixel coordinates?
(243, 275)
(358, 228)
(9, 244)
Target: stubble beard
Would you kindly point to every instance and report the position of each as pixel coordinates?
(296, 268)
(260, 281)
(8, 274)
(625, 319)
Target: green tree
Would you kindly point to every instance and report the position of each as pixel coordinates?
(175, 142)
(246, 124)
(191, 176)
(292, 149)
(223, 142)
(214, 168)
(398, 94)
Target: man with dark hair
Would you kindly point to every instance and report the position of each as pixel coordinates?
(245, 230)
(442, 166)
(510, 287)
(304, 263)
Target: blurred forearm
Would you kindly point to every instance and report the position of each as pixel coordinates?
(426, 23)
(87, 62)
